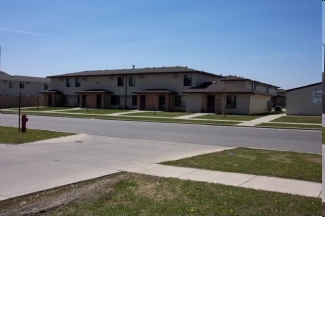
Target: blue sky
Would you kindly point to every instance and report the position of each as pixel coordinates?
(276, 42)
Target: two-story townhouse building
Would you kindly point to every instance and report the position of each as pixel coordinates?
(231, 94)
(157, 88)
(28, 88)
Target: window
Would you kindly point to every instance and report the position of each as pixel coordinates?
(187, 80)
(253, 86)
(231, 101)
(120, 81)
(115, 100)
(180, 101)
(134, 100)
(11, 84)
(21, 85)
(77, 82)
(131, 81)
(46, 86)
(68, 82)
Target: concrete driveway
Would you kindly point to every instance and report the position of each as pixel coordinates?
(38, 166)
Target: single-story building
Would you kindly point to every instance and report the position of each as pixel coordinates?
(306, 100)
(220, 97)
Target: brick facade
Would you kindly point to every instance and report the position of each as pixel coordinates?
(56, 99)
(152, 101)
(217, 103)
(90, 100)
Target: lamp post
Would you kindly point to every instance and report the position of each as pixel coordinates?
(323, 94)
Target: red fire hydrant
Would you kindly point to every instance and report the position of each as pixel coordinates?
(24, 119)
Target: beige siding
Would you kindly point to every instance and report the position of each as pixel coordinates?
(259, 104)
(242, 104)
(193, 103)
(299, 102)
(237, 83)
(201, 78)
(30, 89)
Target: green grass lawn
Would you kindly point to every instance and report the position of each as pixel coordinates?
(173, 120)
(259, 162)
(140, 195)
(160, 114)
(299, 119)
(230, 117)
(40, 109)
(98, 111)
(9, 135)
(289, 126)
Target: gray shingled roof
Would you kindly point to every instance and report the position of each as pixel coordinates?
(139, 71)
(237, 78)
(18, 78)
(155, 91)
(215, 87)
(316, 84)
(94, 91)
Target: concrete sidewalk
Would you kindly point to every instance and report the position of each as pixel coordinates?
(275, 184)
(34, 167)
(260, 120)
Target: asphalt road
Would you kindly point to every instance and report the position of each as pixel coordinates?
(278, 139)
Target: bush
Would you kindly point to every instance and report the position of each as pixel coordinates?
(278, 108)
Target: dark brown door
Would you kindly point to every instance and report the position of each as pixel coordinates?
(142, 102)
(99, 101)
(84, 101)
(211, 104)
(49, 101)
(162, 101)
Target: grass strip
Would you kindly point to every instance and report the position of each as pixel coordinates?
(9, 135)
(140, 195)
(299, 119)
(273, 163)
(99, 111)
(230, 117)
(289, 126)
(161, 114)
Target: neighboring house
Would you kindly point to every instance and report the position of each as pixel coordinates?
(146, 88)
(29, 88)
(306, 100)
(231, 94)
(279, 99)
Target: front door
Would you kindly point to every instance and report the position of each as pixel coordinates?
(99, 101)
(49, 100)
(142, 102)
(84, 101)
(162, 103)
(210, 104)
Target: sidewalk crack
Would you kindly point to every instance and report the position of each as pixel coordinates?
(247, 180)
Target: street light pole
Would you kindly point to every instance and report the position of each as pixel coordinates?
(323, 94)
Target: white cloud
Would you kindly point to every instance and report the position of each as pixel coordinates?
(19, 31)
